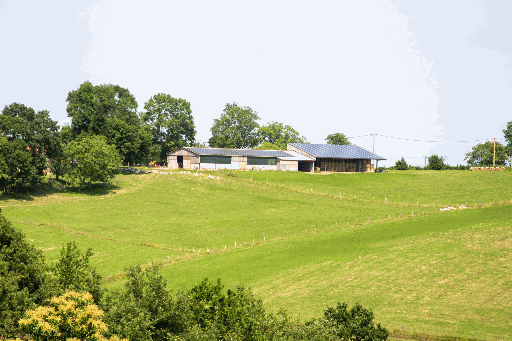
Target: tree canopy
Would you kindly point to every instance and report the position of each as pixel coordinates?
(279, 134)
(236, 128)
(91, 159)
(401, 164)
(436, 162)
(170, 122)
(481, 155)
(29, 139)
(338, 139)
(111, 111)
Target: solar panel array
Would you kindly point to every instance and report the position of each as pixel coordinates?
(236, 152)
(337, 151)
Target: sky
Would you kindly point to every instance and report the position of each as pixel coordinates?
(402, 70)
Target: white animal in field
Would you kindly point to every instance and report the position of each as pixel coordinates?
(210, 177)
(218, 178)
(195, 174)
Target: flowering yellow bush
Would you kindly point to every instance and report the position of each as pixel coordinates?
(70, 317)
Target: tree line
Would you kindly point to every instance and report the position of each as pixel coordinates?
(67, 301)
(106, 130)
(484, 154)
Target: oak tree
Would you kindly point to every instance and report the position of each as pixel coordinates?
(279, 134)
(338, 139)
(235, 128)
(170, 122)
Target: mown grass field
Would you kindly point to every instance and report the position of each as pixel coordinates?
(411, 263)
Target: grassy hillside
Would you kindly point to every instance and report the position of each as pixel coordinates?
(413, 264)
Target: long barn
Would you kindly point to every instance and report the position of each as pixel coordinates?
(338, 158)
(298, 157)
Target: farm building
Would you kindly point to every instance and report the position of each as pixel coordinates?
(338, 158)
(298, 157)
(230, 158)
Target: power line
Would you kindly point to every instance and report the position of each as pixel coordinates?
(415, 140)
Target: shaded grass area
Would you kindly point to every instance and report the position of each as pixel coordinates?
(444, 270)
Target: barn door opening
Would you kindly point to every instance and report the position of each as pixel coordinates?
(180, 161)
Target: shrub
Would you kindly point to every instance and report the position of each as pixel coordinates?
(72, 315)
(401, 165)
(355, 324)
(436, 162)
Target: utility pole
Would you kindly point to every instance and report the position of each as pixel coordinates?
(425, 161)
(373, 150)
(494, 153)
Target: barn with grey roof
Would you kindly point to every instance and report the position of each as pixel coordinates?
(298, 157)
(338, 158)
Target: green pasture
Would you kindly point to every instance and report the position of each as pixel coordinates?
(300, 244)
(425, 188)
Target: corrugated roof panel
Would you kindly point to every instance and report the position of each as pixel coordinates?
(337, 151)
(236, 152)
(295, 157)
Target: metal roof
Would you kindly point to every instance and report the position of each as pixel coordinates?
(295, 157)
(237, 152)
(337, 151)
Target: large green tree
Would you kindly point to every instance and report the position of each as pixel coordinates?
(338, 139)
(22, 277)
(436, 162)
(90, 158)
(111, 111)
(481, 155)
(170, 122)
(30, 139)
(279, 135)
(236, 128)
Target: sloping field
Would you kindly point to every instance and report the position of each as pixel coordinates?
(414, 265)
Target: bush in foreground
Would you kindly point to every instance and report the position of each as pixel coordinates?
(70, 316)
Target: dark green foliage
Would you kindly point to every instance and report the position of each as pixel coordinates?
(170, 122)
(21, 169)
(436, 162)
(74, 272)
(145, 310)
(401, 165)
(234, 311)
(482, 155)
(355, 324)
(22, 277)
(337, 138)
(27, 139)
(236, 128)
(110, 111)
(278, 134)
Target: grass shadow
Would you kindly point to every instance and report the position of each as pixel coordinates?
(53, 186)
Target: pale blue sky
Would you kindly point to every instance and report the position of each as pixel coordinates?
(429, 70)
